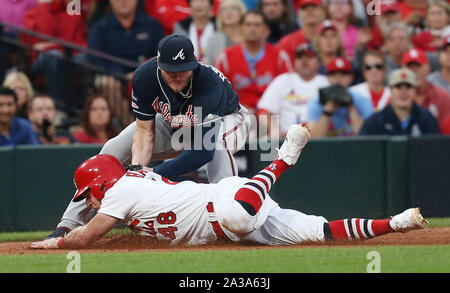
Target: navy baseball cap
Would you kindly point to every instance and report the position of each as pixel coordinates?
(176, 54)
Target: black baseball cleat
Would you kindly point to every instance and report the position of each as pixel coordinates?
(59, 232)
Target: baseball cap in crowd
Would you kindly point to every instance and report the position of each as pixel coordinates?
(339, 64)
(304, 3)
(305, 49)
(445, 43)
(176, 54)
(388, 6)
(403, 75)
(416, 56)
(326, 24)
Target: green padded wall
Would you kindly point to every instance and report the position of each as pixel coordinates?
(397, 175)
(370, 177)
(335, 178)
(44, 184)
(7, 193)
(430, 175)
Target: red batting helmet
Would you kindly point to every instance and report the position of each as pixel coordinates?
(98, 173)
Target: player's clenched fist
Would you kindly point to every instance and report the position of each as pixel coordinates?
(51, 243)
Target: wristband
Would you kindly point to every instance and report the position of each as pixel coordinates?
(60, 243)
(134, 167)
(327, 113)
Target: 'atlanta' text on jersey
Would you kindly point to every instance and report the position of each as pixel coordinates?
(211, 94)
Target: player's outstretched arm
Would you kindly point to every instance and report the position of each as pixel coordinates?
(192, 159)
(82, 236)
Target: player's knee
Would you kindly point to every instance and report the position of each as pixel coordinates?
(116, 147)
(108, 147)
(234, 218)
(120, 146)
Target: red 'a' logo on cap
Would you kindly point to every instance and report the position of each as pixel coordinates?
(403, 76)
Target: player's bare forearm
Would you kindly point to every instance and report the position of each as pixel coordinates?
(85, 235)
(75, 239)
(143, 142)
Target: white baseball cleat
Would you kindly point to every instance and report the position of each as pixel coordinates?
(296, 138)
(411, 219)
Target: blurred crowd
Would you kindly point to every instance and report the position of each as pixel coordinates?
(346, 67)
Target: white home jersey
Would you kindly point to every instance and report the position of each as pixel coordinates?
(177, 213)
(167, 211)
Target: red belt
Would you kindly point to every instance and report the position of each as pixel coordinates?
(215, 224)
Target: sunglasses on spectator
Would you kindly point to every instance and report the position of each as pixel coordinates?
(378, 66)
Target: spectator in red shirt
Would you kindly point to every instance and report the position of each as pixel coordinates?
(379, 26)
(430, 96)
(389, 14)
(168, 12)
(413, 11)
(151, 8)
(437, 27)
(96, 121)
(312, 13)
(253, 64)
(50, 18)
(445, 126)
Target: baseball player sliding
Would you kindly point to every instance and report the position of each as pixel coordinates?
(185, 111)
(194, 214)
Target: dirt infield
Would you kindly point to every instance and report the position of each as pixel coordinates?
(133, 243)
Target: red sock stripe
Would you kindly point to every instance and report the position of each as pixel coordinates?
(277, 167)
(380, 227)
(338, 229)
(264, 182)
(249, 196)
(253, 192)
(358, 228)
